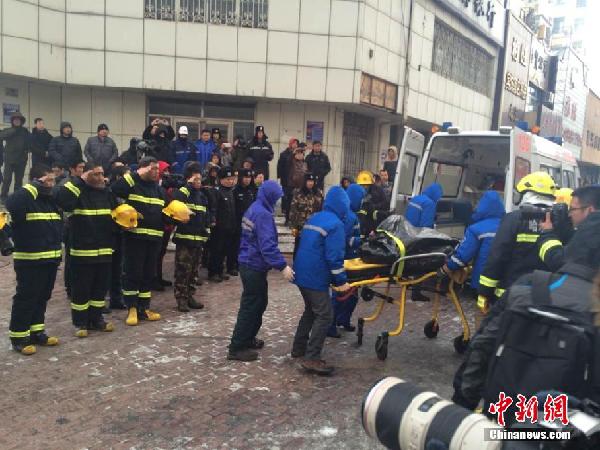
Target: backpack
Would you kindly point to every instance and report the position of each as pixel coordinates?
(543, 348)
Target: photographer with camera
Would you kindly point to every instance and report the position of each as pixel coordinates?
(583, 213)
(513, 251)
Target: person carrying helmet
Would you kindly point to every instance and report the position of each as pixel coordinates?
(342, 310)
(420, 211)
(375, 206)
(141, 245)
(225, 229)
(584, 207)
(183, 150)
(91, 245)
(190, 238)
(37, 233)
(478, 237)
(305, 201)
(513, 252)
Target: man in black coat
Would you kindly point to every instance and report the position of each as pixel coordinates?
(261, 151)
(318, 164)
(65, 149)
(40, 142)
(18, 144)
(283, 168)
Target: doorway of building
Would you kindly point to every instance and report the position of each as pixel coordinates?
(354, 142)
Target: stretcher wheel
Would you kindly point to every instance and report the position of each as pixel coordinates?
(431, 329)
(381, 346)
(367, 294)
(460, 345)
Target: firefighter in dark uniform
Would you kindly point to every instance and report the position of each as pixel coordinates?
(141, 245)
(375, 206)
(514, 250)
(37, 233)
(225, 230)
(245, 194)
(91, 236)
(190, 238)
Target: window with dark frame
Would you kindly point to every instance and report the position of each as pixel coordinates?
(377, 92)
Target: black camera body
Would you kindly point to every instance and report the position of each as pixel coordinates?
(559, 215)
(173, 181)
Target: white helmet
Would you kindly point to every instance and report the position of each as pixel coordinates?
(183, 130)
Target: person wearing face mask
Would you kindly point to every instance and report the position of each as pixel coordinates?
(64, 149)
(190, 238)
(141, 245)
(37, 234)
(91, 238)
(225, 229)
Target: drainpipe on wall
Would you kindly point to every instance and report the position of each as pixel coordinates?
(499, 90)
(405, 88)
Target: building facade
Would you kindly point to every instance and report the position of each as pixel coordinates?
(590, 154)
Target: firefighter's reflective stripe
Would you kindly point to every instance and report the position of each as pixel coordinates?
(37, 327)
(19, 334)
(487, 282)
(147, 200)
(124, 292)
(338, 271)
(526, 237)
(129, 179)
(401, 250)
(91, 212)
(362, 212)
(37, 255)
(74, 189)
(195, 207)
(185, 190)
(499, 292)
(148, 231)
(78, 307)
(94, 252)
(42, 216)
(481, 302)
(32, 190)
(97, 303)
(144, 295)
(191, 237)
(547, 246)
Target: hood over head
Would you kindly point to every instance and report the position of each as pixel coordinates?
(18, 115)
(434, 191)
(63, 125)
(355, 193)
(490, 206)
(268, 193)
(337, 202)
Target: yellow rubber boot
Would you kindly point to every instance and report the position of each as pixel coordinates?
(25, 349)
(132, 318)
(52, 341)
(152, 316)
(109, 327)
(81, 333)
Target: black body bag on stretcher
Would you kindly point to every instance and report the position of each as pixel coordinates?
(396, 237)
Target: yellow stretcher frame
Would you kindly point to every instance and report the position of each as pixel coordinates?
(395, 278)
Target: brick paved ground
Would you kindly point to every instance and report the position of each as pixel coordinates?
(168, 384)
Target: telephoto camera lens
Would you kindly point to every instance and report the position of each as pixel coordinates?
(403, 416)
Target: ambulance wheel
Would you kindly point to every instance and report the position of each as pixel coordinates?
(381, 346)
(367, 294)
(460, 345)
(431, 329)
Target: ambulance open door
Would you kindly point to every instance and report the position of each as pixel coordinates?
(409, 161)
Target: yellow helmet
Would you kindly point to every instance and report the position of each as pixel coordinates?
(364, 178)
(564, 195)
(126, 216)
(539, 182)
(3, 219)
(177, 211)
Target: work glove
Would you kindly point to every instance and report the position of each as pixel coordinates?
(295, 232)
(343, 288)
(288, 274)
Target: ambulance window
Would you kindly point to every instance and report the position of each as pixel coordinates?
(448, 175)
(522, 168)
(554, 172)
(568, 179)
(407, 171)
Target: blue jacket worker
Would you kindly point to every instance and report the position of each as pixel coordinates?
(183, 150)
(205, 147)
(421, 208)
(258, 254)
(342, 310)
(479, 236)
(319, 263)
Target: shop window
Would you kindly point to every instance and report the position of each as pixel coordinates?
(461, 60)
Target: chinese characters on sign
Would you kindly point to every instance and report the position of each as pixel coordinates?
(482, 8)
(514, 85)
(519, 52)
(555, 408)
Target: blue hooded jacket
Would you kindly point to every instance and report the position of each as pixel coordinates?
(320, 257)
(204, 151)
(479, 236)
(421, 208)
(356, 193)
(259, 244)
(184, 151)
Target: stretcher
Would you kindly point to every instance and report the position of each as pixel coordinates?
(364, 276)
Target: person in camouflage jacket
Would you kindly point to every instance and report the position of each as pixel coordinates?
(305, 202)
